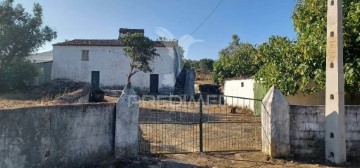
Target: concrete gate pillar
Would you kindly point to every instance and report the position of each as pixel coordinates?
(126, 124)
(335, 145)
(275, 124)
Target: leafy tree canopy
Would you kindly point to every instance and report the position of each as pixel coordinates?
(204, 65)
(303, 65)
(141, 50)
(20, 34)
(281, 64)
(236, 60)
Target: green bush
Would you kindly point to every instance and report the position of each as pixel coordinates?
(17, 75)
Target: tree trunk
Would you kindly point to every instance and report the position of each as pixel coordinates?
(130, 75)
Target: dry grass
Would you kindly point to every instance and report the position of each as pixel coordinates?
(203, 78)
(21, 100)
(43, 95)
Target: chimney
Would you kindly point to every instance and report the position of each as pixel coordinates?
(124, 31)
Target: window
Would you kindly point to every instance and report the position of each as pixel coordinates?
(84, 55)
(242, 84)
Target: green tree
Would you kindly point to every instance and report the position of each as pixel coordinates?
(236, 60)
(281, 65)
(305, 62)
(191, 64)
(206, 65)
(17, 75)
(310, 23)
(188, 64)
(141, 50)
(20, 34)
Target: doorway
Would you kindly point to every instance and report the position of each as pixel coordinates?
(95, 79)
(154, 83)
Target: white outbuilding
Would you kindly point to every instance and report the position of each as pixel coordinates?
(239, 92)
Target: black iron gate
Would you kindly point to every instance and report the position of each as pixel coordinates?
(174, 124)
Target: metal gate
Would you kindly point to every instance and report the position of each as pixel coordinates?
(174, 124)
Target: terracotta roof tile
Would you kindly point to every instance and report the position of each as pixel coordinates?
(108, 42)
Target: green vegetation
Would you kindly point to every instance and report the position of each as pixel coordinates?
(204, 65)
(236, 60)
(20, 34)
(297, 65)
(280, 65)
(17, 75)
(141, 50)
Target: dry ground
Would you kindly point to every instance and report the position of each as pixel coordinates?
(202, 78)
(210, 160)
(20, 100)
(42, 95)
(235, 160)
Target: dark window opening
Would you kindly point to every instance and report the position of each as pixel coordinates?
(84, 55)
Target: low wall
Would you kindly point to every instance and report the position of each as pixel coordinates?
(79, 96)
(307, 131)
(56, 136)
(317, 98)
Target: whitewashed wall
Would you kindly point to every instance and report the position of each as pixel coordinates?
(234, 88)
(113, 66)
(317, 98)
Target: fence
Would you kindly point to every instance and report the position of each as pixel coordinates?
(174, 124)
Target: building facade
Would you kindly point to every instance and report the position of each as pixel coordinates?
(242, 88)
(106, 61)
(43, 61)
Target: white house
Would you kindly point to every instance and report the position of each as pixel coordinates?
(105, 61)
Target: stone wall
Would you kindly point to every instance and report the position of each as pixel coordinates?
(56, 136)
(307, 131)
(79, 96)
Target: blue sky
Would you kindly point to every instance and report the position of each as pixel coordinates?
(253, 20)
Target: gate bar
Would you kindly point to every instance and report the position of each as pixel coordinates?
(201, 125)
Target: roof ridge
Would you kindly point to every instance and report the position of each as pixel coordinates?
(107, 42)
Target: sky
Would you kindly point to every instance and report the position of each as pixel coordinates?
(253, 20)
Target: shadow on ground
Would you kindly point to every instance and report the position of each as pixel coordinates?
(153, 161)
